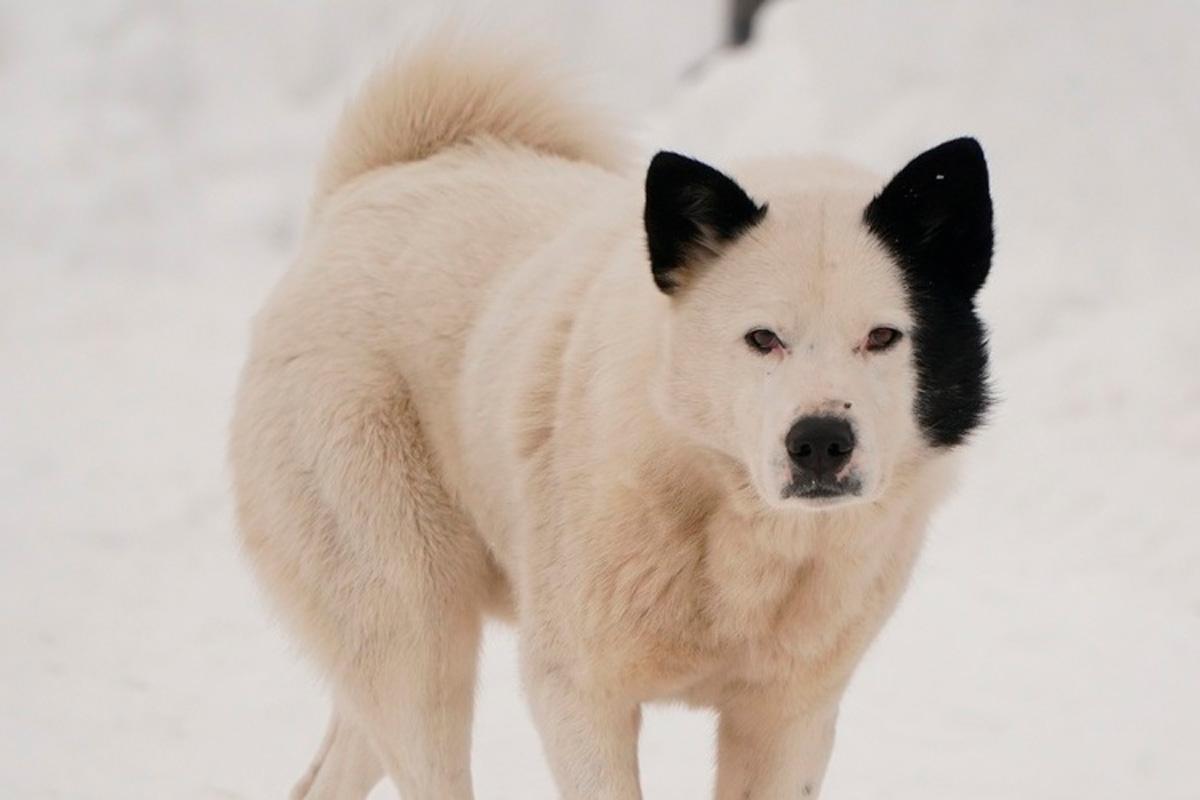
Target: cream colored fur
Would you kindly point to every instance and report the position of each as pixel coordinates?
(468, 397)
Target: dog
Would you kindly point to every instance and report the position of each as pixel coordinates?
(683, 427)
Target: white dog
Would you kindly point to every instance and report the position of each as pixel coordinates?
(685, 432)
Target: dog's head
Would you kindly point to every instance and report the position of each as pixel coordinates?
(823, 332)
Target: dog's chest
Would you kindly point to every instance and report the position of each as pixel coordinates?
(739, 606)
(762, 625)
(787, 624)
(773, 621)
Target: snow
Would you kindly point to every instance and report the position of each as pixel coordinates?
(154, 165)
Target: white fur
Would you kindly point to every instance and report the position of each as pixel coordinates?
(468, 397)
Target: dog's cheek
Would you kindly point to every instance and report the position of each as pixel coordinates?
(884, 419)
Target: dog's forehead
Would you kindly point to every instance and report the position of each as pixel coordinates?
(815, 209)
(813, 250)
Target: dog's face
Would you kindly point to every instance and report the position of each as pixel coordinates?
(829, 337)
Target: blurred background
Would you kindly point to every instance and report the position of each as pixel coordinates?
(155, 160)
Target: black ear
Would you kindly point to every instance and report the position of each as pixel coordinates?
(691, 210)
(936, 218)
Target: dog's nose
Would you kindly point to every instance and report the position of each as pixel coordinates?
(820, 446)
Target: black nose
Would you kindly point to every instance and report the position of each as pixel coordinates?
(820, 446)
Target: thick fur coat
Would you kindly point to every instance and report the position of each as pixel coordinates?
(684, 430)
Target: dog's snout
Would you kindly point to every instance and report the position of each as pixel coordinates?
(820, 446)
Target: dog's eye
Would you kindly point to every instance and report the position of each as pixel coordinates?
(882, 338)
(763, 340)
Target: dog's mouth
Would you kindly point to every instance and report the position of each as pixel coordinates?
(822, 490)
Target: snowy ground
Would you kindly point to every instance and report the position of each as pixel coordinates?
(154, 160)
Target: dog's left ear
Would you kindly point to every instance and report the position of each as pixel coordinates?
(936, 218)
(692, 211)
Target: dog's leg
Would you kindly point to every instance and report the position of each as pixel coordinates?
(392, 591)
(345, 767)
(589, 739)
(768, 751)
(418, 707)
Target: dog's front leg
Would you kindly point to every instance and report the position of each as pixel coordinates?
(768, 749)
(590, 737)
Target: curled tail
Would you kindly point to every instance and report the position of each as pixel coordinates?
(447, 92)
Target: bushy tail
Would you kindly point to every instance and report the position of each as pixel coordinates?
(449, 91)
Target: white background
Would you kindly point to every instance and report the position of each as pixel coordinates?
(154, 164)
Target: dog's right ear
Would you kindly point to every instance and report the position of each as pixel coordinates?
(692, 211)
